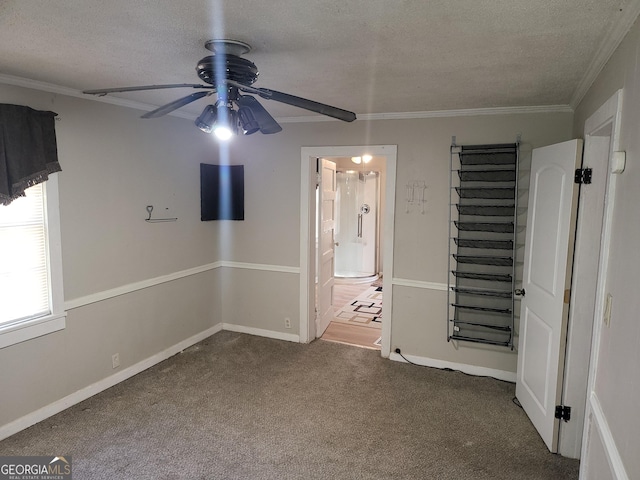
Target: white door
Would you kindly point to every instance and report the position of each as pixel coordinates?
(548, 261)
(326, 245)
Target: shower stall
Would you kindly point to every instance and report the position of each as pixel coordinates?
(357, 224)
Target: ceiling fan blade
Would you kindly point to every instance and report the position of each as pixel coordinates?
(307, 104)
(299, 102)
(104, 91)
(170, 107)
(266, 122)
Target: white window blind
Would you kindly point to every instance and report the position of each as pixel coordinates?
(24, 272)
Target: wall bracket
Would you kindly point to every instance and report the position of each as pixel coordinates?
(157, 220)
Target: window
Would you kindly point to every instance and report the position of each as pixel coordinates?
(31, 300)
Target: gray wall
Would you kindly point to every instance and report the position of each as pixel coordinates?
(115, 164)
(617, 381)
(420, 254)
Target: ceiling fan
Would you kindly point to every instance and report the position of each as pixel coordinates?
(227, 75)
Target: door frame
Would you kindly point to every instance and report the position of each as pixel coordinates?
(608, 115)
(308, 156)
(591, 249)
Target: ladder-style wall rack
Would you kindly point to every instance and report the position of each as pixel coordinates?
(482, 243)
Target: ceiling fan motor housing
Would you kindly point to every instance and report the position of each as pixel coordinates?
(230, 67)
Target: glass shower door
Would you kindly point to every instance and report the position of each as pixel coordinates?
(356, 231)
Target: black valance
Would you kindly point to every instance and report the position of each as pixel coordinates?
(28, 150)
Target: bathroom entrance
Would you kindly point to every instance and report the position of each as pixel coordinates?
(357, 225)
(356, 289)
(311, 252)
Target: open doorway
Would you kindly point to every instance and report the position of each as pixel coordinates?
(359, 218)
(314, 259)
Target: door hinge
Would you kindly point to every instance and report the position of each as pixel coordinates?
(583, 175)
(563, 412)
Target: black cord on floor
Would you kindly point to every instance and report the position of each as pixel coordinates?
(472, 375)
(515, 400)
(398, 351)
(406, 359)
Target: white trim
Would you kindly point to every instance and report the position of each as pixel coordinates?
(403, 282)
(151, 282)
(610, 43)
(122, 102)
(259, 266)
(389, 241)
(307, 254)
(132, 287)
(613, 455)
(72, 92)
(32, 328)
(462, 367)
(260, 332)
(609, 112)
(54, 244)
(467, 112)
(86, 392)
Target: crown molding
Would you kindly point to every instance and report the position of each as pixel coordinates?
(619, 29)
(467, 112)
(72, 92)
(121, 102)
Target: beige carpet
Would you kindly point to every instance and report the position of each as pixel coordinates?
(242, 407)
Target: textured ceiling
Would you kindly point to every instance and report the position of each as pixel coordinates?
(368, 56)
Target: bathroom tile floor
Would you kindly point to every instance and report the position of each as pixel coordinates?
(350, 334)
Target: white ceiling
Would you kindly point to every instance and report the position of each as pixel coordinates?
(368, 56)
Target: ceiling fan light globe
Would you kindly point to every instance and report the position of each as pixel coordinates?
(250, 131)
(203, 126)
(247, 121)
(222, 132)
(207, 119)
(226, 125)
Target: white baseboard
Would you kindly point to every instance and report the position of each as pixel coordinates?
(602, 426)
(463, 367)
(290, 337)
(86, 392)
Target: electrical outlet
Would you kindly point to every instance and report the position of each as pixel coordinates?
(115, 360)
(287, 322)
